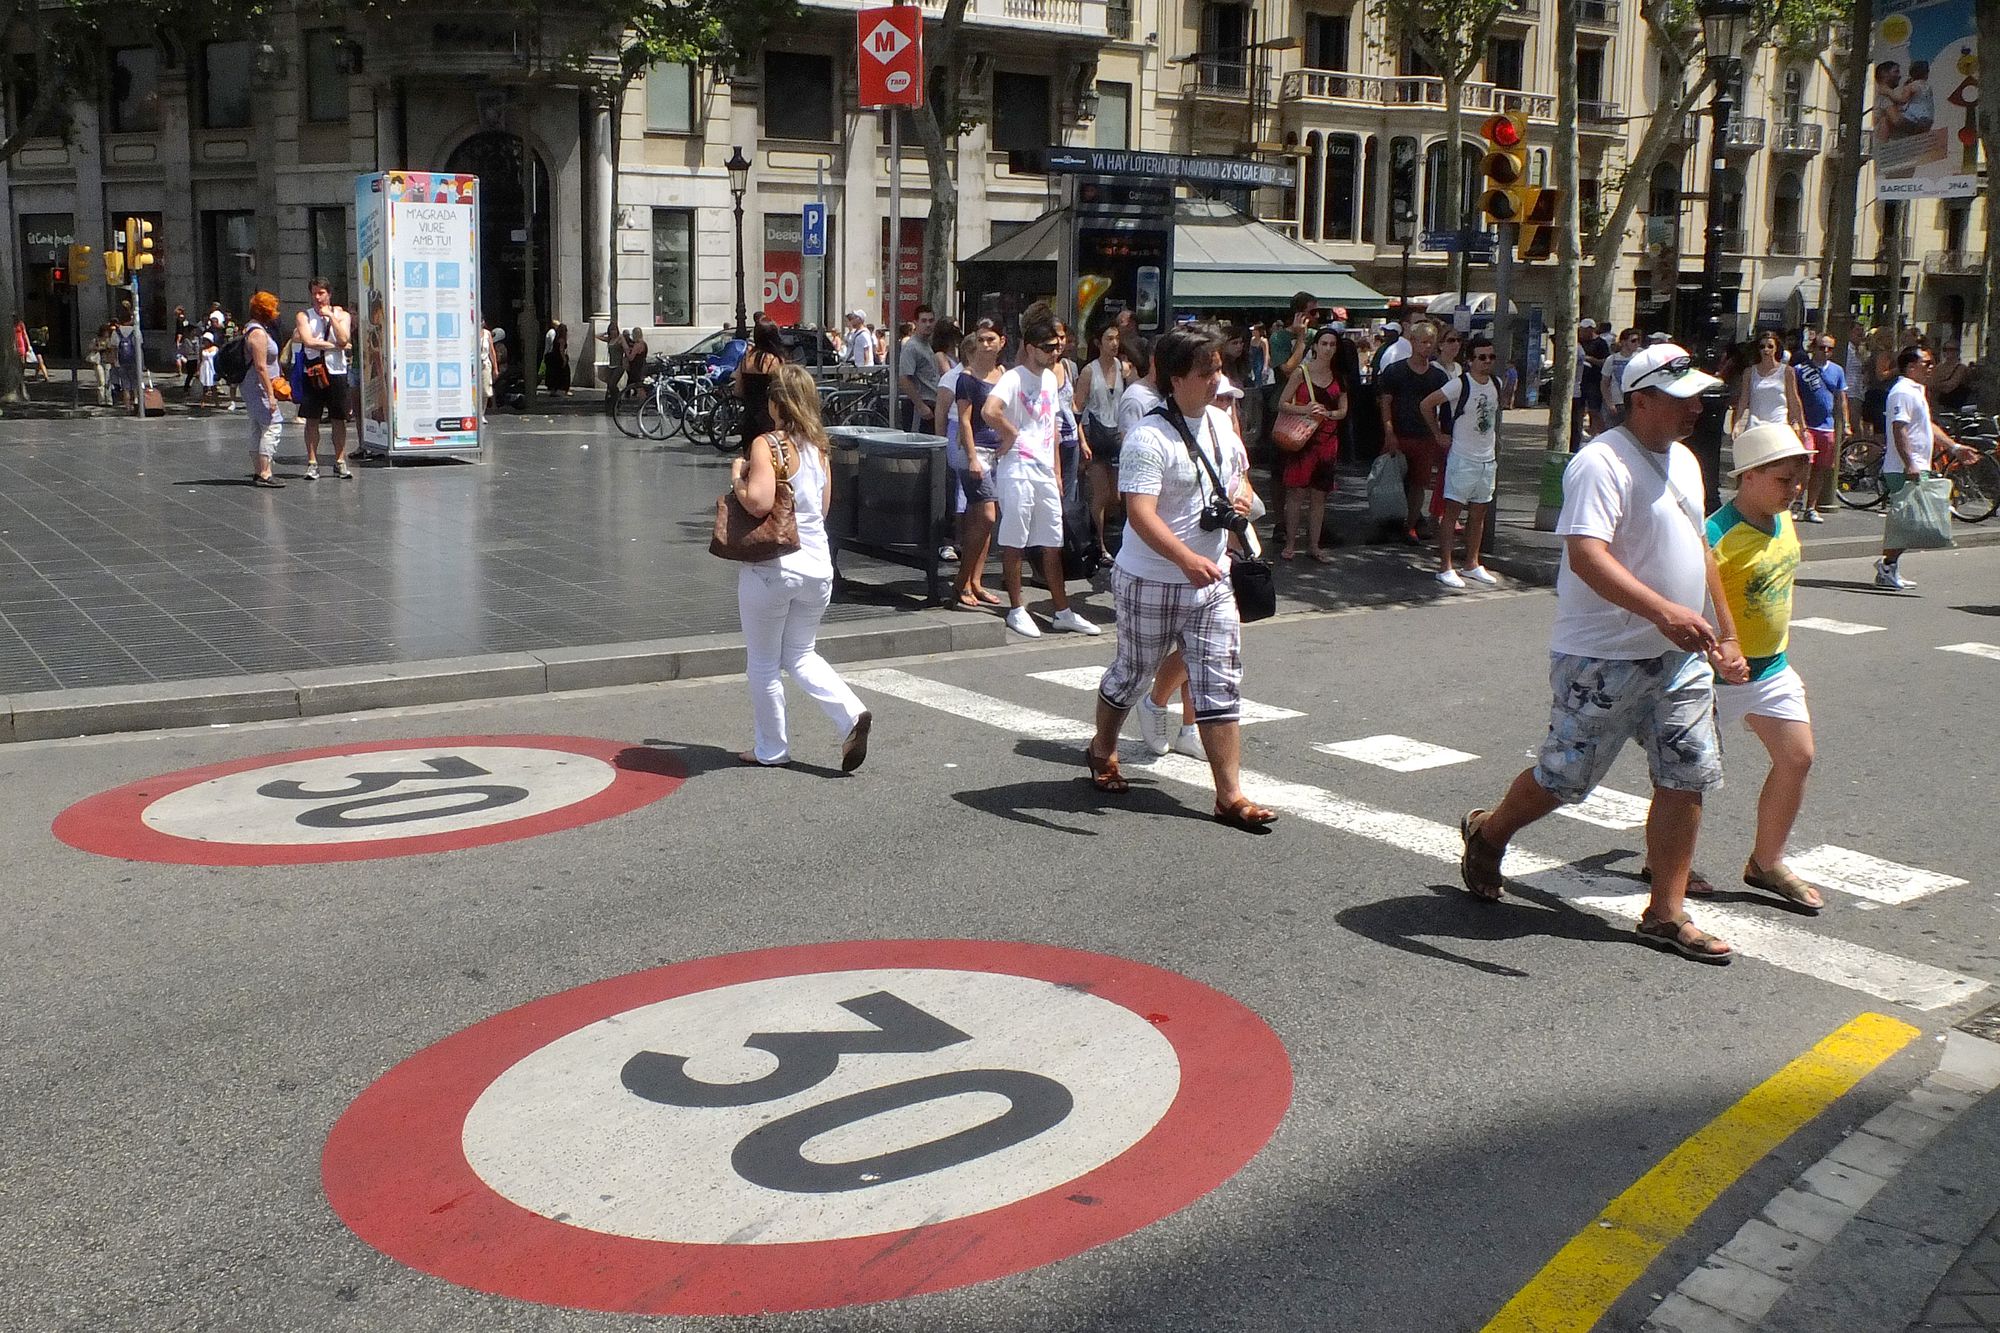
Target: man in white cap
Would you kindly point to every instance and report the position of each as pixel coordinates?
(1395, 347)
(1632, 656)
(858, 346)
(1586, 401)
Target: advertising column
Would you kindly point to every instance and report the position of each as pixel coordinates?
(417, 234)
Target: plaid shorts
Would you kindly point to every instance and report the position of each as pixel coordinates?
(1154, 618)
(1667, 703)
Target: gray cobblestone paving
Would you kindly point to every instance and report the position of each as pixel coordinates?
(1968, 1300)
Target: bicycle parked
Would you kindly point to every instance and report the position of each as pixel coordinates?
(1975, 481)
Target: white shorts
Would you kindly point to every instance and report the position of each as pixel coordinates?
(1030, 511)
(1469, 482)
(1780, 695)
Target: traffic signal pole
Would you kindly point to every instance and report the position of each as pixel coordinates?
(1503, 286)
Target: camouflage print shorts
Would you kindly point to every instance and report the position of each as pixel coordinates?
(1667, 703)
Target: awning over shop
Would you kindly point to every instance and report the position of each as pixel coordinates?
(1790, 302)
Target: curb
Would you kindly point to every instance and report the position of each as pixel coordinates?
(98, 710)
(1824, 548)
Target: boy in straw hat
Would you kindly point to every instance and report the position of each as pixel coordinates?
(1757, 552)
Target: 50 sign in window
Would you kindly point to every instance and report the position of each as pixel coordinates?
(366, 800)
(807, 1127)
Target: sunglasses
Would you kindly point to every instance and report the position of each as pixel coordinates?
(1482, 356)
(1669, 372)
(1054, 344)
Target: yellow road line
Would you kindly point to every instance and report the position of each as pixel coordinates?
(1575, 1288)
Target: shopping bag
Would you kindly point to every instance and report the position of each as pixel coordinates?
(1386, 501)
(1920, 516)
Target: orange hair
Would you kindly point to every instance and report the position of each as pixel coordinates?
(263, 307)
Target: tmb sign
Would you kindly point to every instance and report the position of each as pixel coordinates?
(891, 55)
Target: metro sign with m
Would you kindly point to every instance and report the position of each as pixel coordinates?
(891, 56)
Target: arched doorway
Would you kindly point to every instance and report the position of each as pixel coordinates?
(505, 182)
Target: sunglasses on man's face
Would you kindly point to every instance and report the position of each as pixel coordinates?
(1054, 344)
(1482, 356)
(1670, 372)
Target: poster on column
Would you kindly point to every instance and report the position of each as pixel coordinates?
(910, 264)
(1923, 95)
(417, 236)
(784, 268)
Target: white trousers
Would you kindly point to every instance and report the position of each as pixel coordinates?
(781, 614)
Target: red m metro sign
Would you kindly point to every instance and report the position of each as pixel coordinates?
(892, 56)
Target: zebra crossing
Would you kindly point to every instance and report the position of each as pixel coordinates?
(1795, 947)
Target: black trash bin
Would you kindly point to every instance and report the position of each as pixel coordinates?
(897, 505)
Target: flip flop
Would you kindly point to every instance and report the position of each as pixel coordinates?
(1104, 774)
(1781, 880)
(1675, 935)
(1244, 813)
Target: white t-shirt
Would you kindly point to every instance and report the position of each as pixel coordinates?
(1907, 403)
(1475, 435)
(1154, 460)
(1138, 399)
(1617, 490)
(1030, 400)
(1399, 350)
(1768, 403)
(1613, 381)
(860, 347)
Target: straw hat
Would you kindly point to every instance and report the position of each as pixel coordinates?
(1766, 444)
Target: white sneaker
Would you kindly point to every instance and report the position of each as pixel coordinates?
(312, 472)
(1068, 619)
(1450, 579)
(1023, 624)
(1156, 725)
(1481, 574)
(1886, 576)
(1187, 741)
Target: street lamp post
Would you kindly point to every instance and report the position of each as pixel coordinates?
(738, 167)
(1406, 221)
(1725, 25)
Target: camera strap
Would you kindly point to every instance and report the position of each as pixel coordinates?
(1172, 413)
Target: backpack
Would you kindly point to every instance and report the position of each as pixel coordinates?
(1453, 411)
(128, 348)
(232, 363)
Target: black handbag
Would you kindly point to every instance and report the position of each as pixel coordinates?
(1251, 577)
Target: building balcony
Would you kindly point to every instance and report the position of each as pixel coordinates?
(1802, 138)
(1118, 20)
(1059, 18)
(1597, 13)
(1743, 134)
(1867, 141)
(1788, 242)
(1600, 118)
(1525, 11)
(1332, 87)
(1211, 79)
(1735, 241)
(1954, 263)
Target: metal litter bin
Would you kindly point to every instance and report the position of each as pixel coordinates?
(897, 505)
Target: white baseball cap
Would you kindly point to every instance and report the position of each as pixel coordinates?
(1766, 444)
(1226, 388)
(1668, 368)
(1587, 323)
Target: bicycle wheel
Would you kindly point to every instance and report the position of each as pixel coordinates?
(700, 420)
(626, 411)
(726, 423)
(1858, 482)
(659, 415)
(1975, 490)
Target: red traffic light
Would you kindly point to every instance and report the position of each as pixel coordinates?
(1503, 131)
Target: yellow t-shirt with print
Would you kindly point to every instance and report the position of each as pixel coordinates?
(1757, 570)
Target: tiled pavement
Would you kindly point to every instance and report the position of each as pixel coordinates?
(132, 554)
(1968, 1300)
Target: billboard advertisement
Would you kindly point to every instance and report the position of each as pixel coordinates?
(417, 236)
(784, 269)
(1923, 94)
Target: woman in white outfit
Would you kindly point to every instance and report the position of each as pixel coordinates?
(781, 601)
(1769, 392)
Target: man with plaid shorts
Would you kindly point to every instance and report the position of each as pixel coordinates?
(1632, 656)
(1171, 579)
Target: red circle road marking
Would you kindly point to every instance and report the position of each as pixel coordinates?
(395, 1169)
(113, 823)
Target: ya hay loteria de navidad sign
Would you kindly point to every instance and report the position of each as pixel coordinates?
(422, 387)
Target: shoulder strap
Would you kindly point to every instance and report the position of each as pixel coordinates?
(785, 472)
(1173, 416)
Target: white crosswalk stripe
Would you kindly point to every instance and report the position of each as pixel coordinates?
(1609, 809)
(1826, 626)
(1398, 754)
(1972, 649)
(1867, 876)
(1087, 677)
(1826, 958)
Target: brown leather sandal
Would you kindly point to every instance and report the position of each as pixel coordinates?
(1685, 938)
(1783, 881)
(1479, 864)
(1244, 813)
(1104, 774)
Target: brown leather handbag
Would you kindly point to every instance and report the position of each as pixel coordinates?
(1292, 432)
(741, 535)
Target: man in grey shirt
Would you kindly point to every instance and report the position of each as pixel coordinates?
(917, 374)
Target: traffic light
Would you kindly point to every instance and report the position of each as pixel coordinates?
(1539, 224)
(1506, 167)
(138, 245)
(82, 264)
(114, 268)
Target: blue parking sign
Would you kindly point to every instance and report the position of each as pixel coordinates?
(812, 232)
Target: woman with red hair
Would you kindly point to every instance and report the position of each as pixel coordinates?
(261, 387)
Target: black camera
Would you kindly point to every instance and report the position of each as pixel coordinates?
(1221, 516)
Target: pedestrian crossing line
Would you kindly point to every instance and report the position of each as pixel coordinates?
(1838, 962)
(1087, 678)
(1610, 809)
(1867, 876)
(1972, 649)
(1398, 754)
(1826, 626)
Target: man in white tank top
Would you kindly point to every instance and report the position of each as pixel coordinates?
(325, 332)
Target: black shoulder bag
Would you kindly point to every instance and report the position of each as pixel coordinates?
(1250, 575)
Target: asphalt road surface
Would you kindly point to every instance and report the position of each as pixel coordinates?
(1469, 1085)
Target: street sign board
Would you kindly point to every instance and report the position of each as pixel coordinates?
(812, 232)
(1452, 242)
(369, 800)
(891, 55)
(972, 1108)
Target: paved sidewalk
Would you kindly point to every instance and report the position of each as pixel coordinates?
(1969, 1297)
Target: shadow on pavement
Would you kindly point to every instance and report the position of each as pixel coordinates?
(686, 760)
(1409, 923)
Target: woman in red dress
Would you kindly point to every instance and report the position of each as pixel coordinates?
(1314, 390)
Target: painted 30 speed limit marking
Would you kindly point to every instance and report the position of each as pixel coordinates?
(370, 799)
(807, 1127)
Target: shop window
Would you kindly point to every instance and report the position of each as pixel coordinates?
(1343, 153)
(673, 266)
(670, 98)
(1113, 128)
(328, 230)
(135, 89)
(1020, 111)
